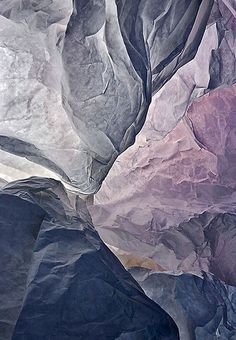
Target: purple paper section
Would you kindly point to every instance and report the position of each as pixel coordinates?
(169, 185)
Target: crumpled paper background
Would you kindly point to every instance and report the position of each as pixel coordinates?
(77, 80)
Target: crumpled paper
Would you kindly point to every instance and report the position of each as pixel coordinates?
(160, 195)
(77, 81)
(58, 279)
(202, 307)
